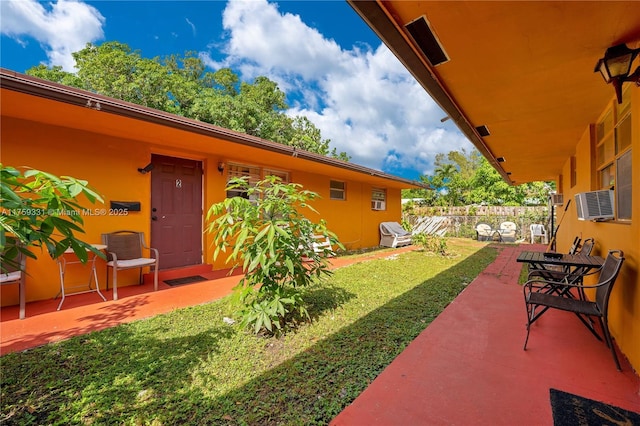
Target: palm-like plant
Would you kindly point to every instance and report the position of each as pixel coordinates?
(267, 235)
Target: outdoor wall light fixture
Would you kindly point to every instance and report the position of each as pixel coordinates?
(146, 169)
(616, 65)
(221, 167)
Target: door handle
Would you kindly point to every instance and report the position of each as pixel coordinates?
(154, 217)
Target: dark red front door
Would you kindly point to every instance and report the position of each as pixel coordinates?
(176, 211)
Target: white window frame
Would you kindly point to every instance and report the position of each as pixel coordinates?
(378, 199)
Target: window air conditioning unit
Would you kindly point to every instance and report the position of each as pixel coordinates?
(377, 205)
(557, 199)
(595, 205)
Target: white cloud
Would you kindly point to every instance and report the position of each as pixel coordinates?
(361, 98)
(62, 28)
(193, 27)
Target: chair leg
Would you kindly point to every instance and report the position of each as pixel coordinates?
(115, 284)
(530, 315)
(607, 336)
(22, 296)
(155, 277)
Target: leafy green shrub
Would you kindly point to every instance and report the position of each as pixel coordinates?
(272, 241)
(38, 209)
(431, 243)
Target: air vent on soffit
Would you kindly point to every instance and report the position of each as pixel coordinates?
(427, 41)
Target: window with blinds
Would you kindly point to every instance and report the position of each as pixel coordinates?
(284, 176)
(253, 174)
(241, 171)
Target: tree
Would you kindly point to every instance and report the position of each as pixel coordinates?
(270, 238)
(180, 85)
(462, 178)
(39, 209)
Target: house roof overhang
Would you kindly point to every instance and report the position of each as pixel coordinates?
(34, 99)
(523, 69)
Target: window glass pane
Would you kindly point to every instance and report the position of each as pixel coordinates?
(609, 149)
(623, 134)
(378, 194)
(337, 185)
(337, 190)
(605, 126)
(337, 194)
(600, 155)
(238, 170)
(284, 176)
(607, 179)
(605, 151)
(623, 187)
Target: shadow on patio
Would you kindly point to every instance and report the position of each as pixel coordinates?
(466, 367)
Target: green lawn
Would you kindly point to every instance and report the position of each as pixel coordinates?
(190, 367)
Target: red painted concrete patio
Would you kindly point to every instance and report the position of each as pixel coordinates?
(467, 367)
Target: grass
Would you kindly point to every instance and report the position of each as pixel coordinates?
(524, 274)
(189, 367)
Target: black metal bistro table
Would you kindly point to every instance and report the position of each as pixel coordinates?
(574, 265)
(580, 262)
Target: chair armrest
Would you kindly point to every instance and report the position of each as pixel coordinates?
(111, 256)
(153, 251)
(544, 284)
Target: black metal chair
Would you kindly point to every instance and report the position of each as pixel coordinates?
(537, 294)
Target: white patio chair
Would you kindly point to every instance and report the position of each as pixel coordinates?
(538, 231)
(16, 274)
(507, 231)
(484, 232)
(392, 234)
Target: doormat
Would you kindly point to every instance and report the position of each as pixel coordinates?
(571, 410)
(186, 280)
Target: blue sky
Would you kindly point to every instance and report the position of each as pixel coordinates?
(333, 68)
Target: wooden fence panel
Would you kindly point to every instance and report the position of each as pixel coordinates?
(459, 222)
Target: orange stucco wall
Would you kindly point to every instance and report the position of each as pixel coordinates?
(624, 306)
(110, 165)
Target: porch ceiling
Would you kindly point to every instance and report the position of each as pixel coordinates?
(523, 69)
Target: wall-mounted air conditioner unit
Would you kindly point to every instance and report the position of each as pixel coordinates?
(377, 205)
(595, 205)
(557, 199)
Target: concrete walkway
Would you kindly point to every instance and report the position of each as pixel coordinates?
(468, 366)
